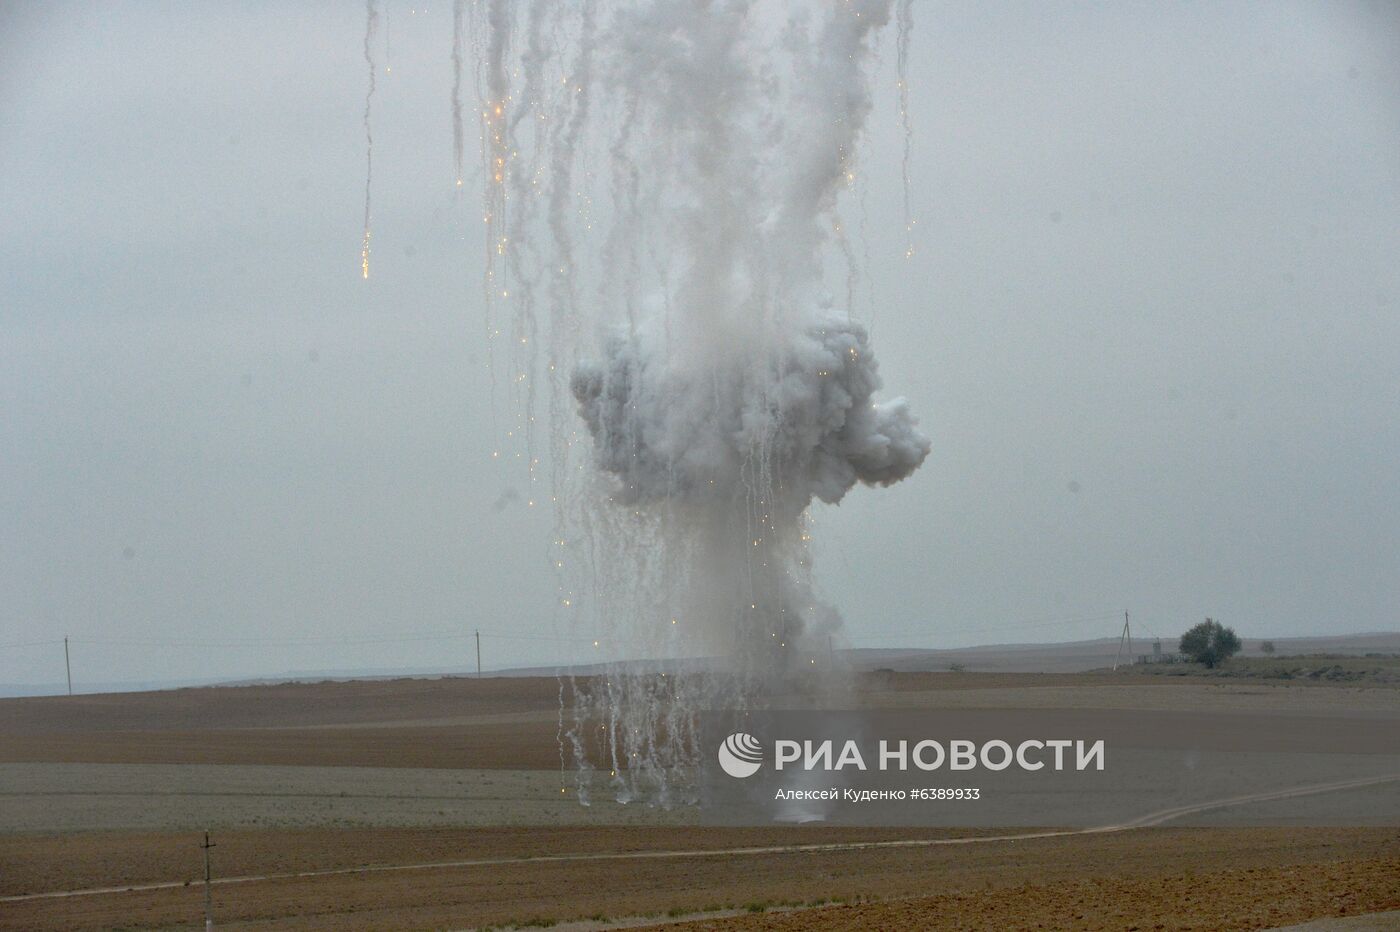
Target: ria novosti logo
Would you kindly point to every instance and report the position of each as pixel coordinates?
(741, 755)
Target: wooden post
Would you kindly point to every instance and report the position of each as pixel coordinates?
(208, 904)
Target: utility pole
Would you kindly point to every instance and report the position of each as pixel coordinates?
(478, 654)
(208, 907)
(67, 667)
(1127, 636)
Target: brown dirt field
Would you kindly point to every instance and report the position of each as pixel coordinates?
(490, 723)
(1166, 877)
(38, 863)
(514, 746)
(284, 705)
(423, 701)
(512, 723)
(1174, 878)
(1249, 898)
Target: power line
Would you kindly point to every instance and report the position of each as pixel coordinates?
(909, 639)
(328, 641)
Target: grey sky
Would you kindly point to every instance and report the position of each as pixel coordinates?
(1153, 328)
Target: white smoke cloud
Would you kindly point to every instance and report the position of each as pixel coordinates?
(668, 433)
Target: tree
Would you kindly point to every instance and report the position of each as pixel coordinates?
(1209, 643)
(1267, 647)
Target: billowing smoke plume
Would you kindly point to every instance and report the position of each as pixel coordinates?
(670, 434)
(663, 181)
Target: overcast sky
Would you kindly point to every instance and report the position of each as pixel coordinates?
(1153, 329)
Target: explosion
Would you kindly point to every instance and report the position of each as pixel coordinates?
(703, 388)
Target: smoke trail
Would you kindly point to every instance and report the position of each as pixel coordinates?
(459, 13)
(493, 96)
(371, 17)
(388, 43)
(522, 257)
(905, 26)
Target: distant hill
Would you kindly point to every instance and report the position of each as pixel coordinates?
(1079, 656)
(1066, 657)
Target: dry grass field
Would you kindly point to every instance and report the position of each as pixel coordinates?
(436, 804)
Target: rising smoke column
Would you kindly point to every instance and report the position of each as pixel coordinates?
(731, 456)
(703, 388)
